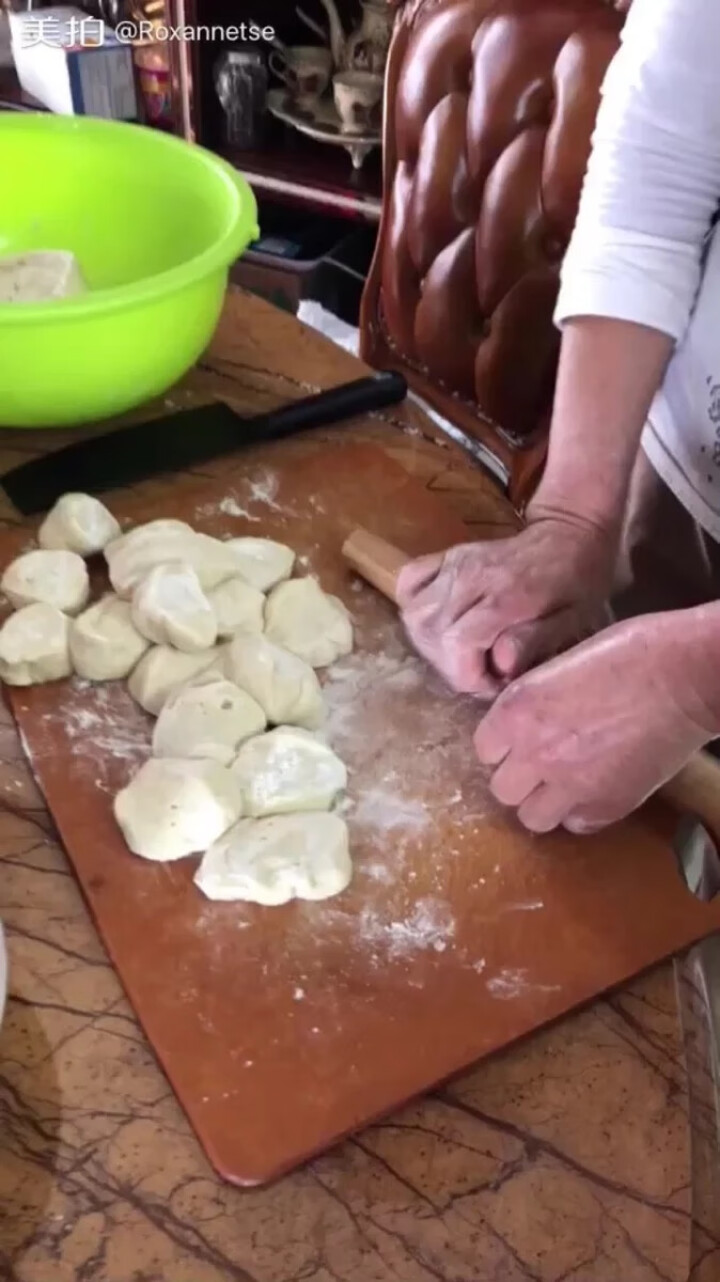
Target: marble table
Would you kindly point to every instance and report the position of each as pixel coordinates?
(587, 1153)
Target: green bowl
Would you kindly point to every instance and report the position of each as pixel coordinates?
(155, 224)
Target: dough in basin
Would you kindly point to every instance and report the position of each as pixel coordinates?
(40, 275)
(131, 557)
(105, 645)
(262, 562)
(169, 607)
(288, 769)
(270, 861)
(287, 689)
(209, 718)
(238, 607)
(161, 671)
(78, 523)
(303, 619)
(175, 808)
(52, 578)
(34, 646)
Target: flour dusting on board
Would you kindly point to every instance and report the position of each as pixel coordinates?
(381, 807)
(509, 984)
(402, 736)
(258, 490)
(429, 924)
(101, 724)
(370, 697)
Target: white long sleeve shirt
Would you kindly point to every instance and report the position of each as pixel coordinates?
(644, 247)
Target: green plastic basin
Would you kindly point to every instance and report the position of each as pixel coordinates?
(155, 224)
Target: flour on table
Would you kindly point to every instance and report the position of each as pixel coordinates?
(230, 507)
(509, 984)
(382, 808)
(261, 488)
(430, 925)
(101, 725)
(264, 488)
(365, 695)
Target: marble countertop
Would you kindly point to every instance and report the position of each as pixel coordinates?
(568, 1157)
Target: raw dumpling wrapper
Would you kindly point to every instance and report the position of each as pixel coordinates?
(287, 689)
(131, 557)
(78, 523)
(163, 670)
(288, 769)
(104, 643)
(169, 607)
(209, 718)
(51, 578)
(34, 646)
(271, 861)
(238, 607)
(303, 619)
(262, 562)
(176, 808)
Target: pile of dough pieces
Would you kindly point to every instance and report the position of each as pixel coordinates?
(220, 645)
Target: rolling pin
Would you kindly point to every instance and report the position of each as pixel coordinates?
(695, 790)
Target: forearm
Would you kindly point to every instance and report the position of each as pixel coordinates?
(608, 374)
(633, 266)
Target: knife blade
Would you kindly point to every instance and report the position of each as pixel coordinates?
(183, 440)
(698, 858)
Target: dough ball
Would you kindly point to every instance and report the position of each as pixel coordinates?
(286, 770)
(51, 578)
(287, 689)
(105, 645)
(303, 619)
(163, 670)
(78, 523)
(163, 526)
(132, 557)
(34, 646)
(262, 562)
(238, 607)
(175, 808)
(209, 718)
(170, 608)
(270, 861)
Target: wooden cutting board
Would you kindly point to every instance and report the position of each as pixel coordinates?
(284, 1029)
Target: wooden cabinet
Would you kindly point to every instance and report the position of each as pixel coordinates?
(287, 167)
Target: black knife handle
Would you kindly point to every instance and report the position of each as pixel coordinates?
(339, 403)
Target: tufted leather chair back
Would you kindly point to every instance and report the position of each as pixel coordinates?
(489, 112)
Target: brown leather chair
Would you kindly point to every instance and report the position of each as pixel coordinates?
(489, 112)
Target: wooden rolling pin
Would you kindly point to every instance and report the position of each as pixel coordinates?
(695, 790)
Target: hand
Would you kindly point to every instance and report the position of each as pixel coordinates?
(482, 613)
(583, 740)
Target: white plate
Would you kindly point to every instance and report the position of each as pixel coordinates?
(323, 124)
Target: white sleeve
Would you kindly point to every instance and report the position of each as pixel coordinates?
(653, 181)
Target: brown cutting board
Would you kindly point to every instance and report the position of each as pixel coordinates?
(283, 1029)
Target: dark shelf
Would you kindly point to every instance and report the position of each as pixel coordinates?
(325, 173)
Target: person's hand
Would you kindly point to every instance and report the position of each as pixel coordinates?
(482, 613)
(583, 740)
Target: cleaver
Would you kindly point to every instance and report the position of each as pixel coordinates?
(178, 442)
